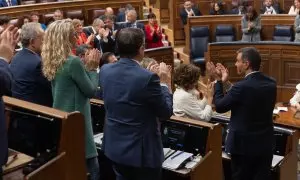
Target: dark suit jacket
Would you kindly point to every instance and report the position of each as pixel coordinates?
(184, 15)
(134, 100)
(29, 83)
(128, 25)
(251, 102)
(3, 3)
(121, 17)
(5, 86)
(275, 7)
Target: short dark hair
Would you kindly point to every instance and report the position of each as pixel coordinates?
(81, 49)
(252, 55)
(4, 20)
(186, 75)
(104, 58)
(129, 41)
(151, 16)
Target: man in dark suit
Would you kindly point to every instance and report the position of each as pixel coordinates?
(134, 99)
(8, 3)
(269, 7)
(30, 85)
(132, 21)
(8, 41)
(251, 101)
(188, 10)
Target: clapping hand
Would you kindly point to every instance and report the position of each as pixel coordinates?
(213, 72)
(8, 41)
(92, 58)
(224, 72)
(153, 67)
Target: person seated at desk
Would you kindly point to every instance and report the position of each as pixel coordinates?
(294, 10)
(81, 36)
(217, 9)
(297, 28)
(186, 98)
(8, 3)
(295, 101)
(251, 25)
(188, 11)
(34, 17)
(238, 8)
(269, 7)
(4, 22)
(132, 21)
(153, 33)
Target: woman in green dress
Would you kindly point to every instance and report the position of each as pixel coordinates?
(73, 82)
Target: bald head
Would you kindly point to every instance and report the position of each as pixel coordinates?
(109, 11)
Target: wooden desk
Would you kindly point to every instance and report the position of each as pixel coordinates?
(287, 119)
(204, 5)
(85, 5)
(280, 60)
(69, 164)
(268, 23)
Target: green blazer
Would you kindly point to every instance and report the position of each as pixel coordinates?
(72, 87)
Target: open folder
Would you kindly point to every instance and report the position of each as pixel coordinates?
(177, 160)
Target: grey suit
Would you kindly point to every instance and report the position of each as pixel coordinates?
(297, 28)
(252, 35)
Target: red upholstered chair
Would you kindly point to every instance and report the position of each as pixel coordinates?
(94, 13)
(75, 14)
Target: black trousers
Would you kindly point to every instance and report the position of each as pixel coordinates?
(136, 173)
(251, 167)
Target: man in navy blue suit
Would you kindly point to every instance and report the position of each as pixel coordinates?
(134, 99)
(8, 41)
(251, 101)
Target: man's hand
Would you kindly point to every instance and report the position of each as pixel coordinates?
(224, 72)
(213, 71)
(8, 41)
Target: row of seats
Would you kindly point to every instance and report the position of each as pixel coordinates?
(72, 14)
(225, 33)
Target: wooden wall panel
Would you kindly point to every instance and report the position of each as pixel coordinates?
(268, 23)
(279, 60)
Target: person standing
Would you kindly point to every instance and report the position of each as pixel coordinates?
(8, 40)
(73, 83)
(251, 101)
(251, 25)
(134, 99)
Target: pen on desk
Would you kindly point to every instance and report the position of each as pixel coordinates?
(12, 160)
(177, 154)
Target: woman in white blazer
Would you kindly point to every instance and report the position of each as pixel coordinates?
(187, 101)
(295, 101)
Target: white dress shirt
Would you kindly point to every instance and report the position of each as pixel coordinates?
(187, 104)
(190, 11)
(296, 98)
(270, 10)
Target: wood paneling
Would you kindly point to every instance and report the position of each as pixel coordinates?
(279, 60)
(268, 23)
(86, 6)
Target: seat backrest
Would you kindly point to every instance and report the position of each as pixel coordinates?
(283, 33)
(95, 13)
(199, 41)
(225, 33)
(75, 14)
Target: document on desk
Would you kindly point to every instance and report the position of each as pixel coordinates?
(285, 109)
(168, 152)
(177, 160)
(98, 138)
(276, 160)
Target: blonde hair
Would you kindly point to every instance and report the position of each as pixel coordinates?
(76, 22)
(57, 46)
(146, 61)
